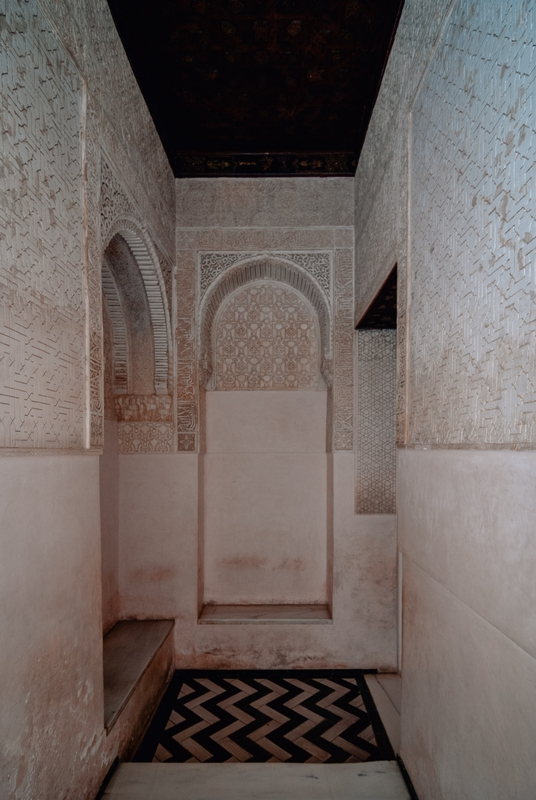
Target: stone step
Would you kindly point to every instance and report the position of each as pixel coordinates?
(377, 780)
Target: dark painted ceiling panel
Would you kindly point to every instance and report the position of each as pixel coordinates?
(259, 86)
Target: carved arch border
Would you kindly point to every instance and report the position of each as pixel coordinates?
(271, 268)
(122, 362)
(146, 258)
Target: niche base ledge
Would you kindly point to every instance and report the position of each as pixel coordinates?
(269, 614)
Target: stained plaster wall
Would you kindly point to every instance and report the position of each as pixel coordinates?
(78, 150)
(233, 219)
(445, 186)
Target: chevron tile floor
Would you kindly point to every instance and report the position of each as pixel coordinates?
(277, 716)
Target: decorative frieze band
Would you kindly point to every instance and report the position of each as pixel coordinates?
(145, 437)
(317, 264)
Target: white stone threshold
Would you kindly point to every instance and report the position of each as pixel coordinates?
(386, 691)
(311, 614)
(376, 780)
(129, 648)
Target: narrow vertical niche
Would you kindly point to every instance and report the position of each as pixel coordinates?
(376, 403)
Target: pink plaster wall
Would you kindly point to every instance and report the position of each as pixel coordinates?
(109, 521)
(469, 634)
(265, 497)
(51, 720)
(159, 553)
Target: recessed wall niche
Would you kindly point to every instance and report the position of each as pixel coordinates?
(265, 471)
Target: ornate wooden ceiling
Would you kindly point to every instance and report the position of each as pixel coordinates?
(259, 87)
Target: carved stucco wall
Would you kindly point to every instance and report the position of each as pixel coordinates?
(381, 181)
(73, 165)
(468, 346)
(224, 223)
(71, 116)
(266, 336)
(42, 338)
(472, 343)
(375, 422)
(231, 246)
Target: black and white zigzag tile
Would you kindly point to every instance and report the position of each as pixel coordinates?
(300, 717)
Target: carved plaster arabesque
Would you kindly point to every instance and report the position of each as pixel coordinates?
(266, 336)
(153, 282)
(343, 352)
(187, 386)
(191, 243)
(375, 422)
(254, 270)
(317, 264)
(116, 218)
(145, 437)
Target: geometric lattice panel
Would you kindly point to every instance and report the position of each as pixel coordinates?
(375, 423)
(266, 337)
(278, 716)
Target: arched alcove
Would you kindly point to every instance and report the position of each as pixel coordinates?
(265, 468)
(135, 325)
(271, 269)
(124, 232)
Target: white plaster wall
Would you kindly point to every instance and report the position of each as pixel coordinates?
(266, 422)
(265, 497)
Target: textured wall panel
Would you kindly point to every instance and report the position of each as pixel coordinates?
(42, 333)
(381, 183)
(270, 202)
(318, 265)
(214, 253)
(473, 276)
(266, 337)
(375, 422)
(185, 342)
(343, 351)
(145, 437)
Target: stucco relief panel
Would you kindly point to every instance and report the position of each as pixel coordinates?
(42, 318)
(198, 267)
(318, 265)
(266, 337)
(187, 388)
(145, 437)
(375, 422)
(343, 351)
(472, 360)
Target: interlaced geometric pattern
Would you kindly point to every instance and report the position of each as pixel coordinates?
(296, 716)
(266, 337)
(375, 422)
